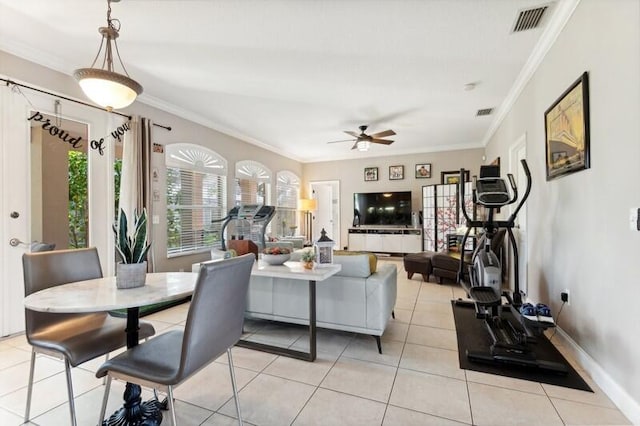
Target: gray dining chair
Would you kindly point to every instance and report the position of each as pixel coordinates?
(75, 338)
(214, 324)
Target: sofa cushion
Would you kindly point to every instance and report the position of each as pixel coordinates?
(354, 265)
(373, 260)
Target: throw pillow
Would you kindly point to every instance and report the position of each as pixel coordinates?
(373, 260)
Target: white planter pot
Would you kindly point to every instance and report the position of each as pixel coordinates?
(131, 275)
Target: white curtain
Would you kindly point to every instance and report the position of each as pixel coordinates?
(135, 182)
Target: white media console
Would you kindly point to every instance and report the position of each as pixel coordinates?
(385, 240)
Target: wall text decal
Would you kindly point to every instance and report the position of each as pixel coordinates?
(64, 135)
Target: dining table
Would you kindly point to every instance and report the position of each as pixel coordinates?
(102, 294)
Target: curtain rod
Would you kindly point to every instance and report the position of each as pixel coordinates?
(8, 82)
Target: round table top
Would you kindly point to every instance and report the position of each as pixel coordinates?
(101, 294)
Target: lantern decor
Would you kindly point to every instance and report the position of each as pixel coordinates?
(324, 249)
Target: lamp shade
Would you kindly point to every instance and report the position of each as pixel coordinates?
(305, 204)
(107, 88)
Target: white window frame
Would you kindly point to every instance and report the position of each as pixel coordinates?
(287, 196)
(209, 166)
(260, 178)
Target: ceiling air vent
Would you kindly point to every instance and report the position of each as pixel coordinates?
(529, 19)
(486, 111)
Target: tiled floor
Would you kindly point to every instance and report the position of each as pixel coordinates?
(415, 382)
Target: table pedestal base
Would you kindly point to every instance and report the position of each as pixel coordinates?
(135, 412)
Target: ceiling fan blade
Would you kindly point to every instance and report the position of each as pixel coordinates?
(354, 134)
(383, 134)
(355, 145)
(343, 140)
(382, 141)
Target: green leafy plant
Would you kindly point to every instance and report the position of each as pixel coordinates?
(132, 249)
(308, 255)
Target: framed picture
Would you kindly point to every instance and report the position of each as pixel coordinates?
(396, 172)
(566, 125)
(370, 174)
(423, 170)
(453, 176)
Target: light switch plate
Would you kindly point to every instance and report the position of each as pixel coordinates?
(155, 219)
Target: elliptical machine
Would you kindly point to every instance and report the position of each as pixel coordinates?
(513, 335)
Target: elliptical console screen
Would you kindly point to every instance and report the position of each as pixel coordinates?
(492, 192)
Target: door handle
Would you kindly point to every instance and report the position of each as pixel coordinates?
(15, 242)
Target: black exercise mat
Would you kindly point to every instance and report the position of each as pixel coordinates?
(473, 336)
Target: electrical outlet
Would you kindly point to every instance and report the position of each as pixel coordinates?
(564, 296)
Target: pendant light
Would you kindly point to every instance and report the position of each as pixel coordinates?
(104, 86)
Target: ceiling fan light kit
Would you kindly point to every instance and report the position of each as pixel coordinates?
(363, 141)
(104, 86)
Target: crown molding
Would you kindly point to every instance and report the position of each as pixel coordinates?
(564, 10)
(199, 119)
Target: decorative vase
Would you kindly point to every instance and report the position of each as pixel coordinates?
(131, 275)
(307, 265)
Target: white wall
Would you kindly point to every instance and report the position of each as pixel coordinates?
(350, 173)
(578, 224)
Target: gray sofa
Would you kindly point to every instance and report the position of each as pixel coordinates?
(353, 300)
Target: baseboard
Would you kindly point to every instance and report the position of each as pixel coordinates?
(627, 405)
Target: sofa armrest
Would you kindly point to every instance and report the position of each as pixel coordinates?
(381, 291)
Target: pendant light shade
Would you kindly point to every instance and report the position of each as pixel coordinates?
(104, 86)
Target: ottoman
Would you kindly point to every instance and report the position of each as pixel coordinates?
(418, 263)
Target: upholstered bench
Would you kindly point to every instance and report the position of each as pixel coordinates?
(418, 263)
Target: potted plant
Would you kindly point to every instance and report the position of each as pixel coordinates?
(307, 258)
(132, 247)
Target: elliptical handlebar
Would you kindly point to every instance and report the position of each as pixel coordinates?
(461, 182)
(527, 173)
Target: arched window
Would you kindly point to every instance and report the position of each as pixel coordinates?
(287, 195)
(253, 183)
(196, 195)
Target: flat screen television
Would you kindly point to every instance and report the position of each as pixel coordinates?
(382, 208)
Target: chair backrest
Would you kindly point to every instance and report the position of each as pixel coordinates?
(47, 269)
(216, 315)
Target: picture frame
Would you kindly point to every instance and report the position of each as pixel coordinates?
(396, 172)
(453, 176)
(423, 170)
(370, 174)
(566, 125)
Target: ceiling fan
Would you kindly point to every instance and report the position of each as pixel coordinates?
(364, 141)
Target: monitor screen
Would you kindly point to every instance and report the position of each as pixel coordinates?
(382, 208)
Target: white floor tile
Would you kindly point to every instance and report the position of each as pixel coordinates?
(436, 395)
(360, 378)
(270, 400)
(396, 416)
(334, 408)
(496, 406)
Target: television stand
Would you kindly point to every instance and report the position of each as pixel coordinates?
(385, 239)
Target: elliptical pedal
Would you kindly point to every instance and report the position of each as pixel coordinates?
(485, 296)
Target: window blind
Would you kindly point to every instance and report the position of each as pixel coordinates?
(196, 195)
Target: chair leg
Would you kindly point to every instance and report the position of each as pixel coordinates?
(172, 406)
(233, 385)
(105, 398)
(72, 405)
(30, 386)
(104, 379)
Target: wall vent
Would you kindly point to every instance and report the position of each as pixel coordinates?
(529, 19)
(486, 111)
